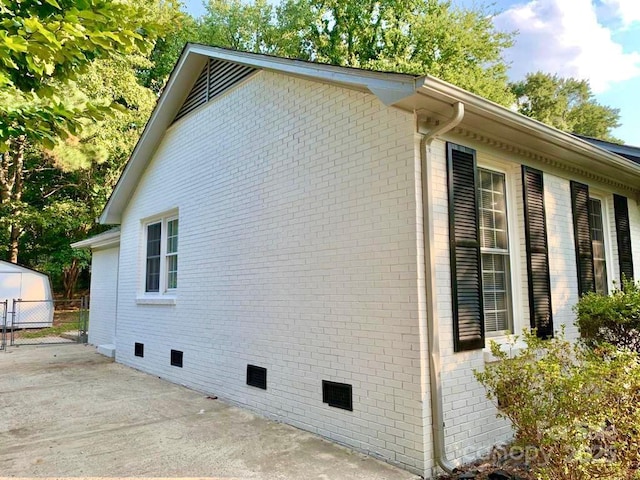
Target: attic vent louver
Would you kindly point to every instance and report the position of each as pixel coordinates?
(257, 376)
(216, 77)
(337, 395)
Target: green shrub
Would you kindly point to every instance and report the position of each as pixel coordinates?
(613, 319)
(575, 411)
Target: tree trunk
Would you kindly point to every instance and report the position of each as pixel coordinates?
(69, 279)
(11, 188)
(14, 236)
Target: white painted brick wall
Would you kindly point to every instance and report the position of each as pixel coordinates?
(614, 268)
(297, 252)
(471, 426)
(562, 256)
(104, 281)
(470, 423)
(300, 251)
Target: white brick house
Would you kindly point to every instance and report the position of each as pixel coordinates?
(358, 237)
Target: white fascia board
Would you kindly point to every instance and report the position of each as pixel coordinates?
(430, 86)
(392, 86)
(110, 238)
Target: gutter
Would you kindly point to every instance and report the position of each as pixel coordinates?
(437, 88)
(432, 327)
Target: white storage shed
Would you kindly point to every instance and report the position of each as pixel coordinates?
(33, 289)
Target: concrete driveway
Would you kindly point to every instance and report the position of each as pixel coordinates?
(68, 411)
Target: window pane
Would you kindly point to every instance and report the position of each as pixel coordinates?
(153, 239)
(496, 305)
(493, 211)
(152, 277)
(597, 243)
(494, 243)
(172, 271)
(172, 236)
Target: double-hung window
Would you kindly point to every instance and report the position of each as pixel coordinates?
(494, 249)
(161, 272)
(598, 246)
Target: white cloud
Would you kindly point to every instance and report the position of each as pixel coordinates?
(565, 37)
(627, 11)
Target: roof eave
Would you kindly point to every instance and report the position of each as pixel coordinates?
(160, 119)
(107, 239)
(435, 87)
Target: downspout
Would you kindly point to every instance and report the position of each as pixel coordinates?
(437, 410)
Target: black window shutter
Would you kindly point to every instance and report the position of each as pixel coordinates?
(537, 253)
(623, 232)
(464, 243)
(582, 234)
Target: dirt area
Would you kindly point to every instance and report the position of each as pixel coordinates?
(68, 411)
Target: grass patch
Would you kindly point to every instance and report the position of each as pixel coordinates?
(50, 331)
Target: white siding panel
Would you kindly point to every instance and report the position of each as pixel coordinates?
(102, 311)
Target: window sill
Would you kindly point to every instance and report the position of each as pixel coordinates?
(512, 349)
(155, 300)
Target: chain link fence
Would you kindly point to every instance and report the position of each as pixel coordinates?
(41, 322)
(3, 326)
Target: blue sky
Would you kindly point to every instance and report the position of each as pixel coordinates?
(597, 40)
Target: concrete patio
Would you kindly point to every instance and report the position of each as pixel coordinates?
(68, 411)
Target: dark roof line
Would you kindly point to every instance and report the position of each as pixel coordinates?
(627, 151)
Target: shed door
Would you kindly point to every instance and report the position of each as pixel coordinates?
(10, 285)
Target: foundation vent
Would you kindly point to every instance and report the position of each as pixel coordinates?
(257, 377)
(176, 358)
(337, 395)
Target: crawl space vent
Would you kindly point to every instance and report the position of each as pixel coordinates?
(176, 358)
(337, 395)
(216, 77)
(139, 349)
(257, 376)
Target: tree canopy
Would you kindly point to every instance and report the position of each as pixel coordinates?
(79, 79)
(47, 110)
(411, 36)
(567, 104)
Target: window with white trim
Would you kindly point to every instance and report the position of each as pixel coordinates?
(494, 249)
(598, 246)
(161, 269)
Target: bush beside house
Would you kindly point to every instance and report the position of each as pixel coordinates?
(575, 407)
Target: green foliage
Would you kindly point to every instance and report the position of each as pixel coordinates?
(612, 319)
(44, 45)
(66, 187)
(574, 411)
(422, 37)
(178, 29)
(567, 104)
(71, 110)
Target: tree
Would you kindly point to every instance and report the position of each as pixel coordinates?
(178, 28)
(423, 37)
(461, 46)
(412, 36)
(43, 46)
(567, 104)
(66, 187)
